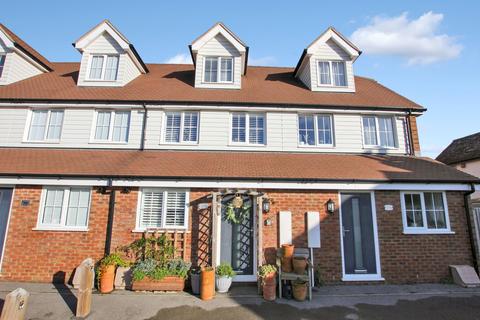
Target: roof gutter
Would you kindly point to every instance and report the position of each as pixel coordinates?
(466, 199)
(410, 134)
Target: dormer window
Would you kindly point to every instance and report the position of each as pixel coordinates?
(331, 73)
(218, 69)
(103, 67)
(2, 63)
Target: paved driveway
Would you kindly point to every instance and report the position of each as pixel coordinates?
(337, 302)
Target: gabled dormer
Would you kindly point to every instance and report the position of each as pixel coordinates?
(327, 63)
(108, 58)
(220, 59)
(19, 61)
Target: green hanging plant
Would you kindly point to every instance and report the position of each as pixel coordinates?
(234, 215)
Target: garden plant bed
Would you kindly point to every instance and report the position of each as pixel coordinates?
(168, 283)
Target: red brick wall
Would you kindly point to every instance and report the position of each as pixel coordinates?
(39, 255)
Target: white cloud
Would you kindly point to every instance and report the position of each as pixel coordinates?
(415, 39)
(262, 61)
(180, 58)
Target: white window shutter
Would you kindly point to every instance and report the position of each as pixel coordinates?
(175, 211)
(152, 209)
(313, 224)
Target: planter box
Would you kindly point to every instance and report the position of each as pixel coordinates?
(169, 283)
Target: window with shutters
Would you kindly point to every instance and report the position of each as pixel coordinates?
(162, 209)
(64, 209)
(181, 127)
(248, 128)
(425, 212)
(103, 67)
(111, 126)
(45, 125)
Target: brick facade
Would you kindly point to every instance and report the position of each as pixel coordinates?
(43, 256)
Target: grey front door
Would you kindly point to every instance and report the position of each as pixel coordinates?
(5, 199)
(359, 252)
(237, 242)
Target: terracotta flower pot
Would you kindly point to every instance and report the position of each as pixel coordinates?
(269, 287)
(287, 264)
(207, 284)
(107, 277)
(287, 250)
(299, 291)
(299, 265)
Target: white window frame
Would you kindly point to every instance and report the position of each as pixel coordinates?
(110, 129)
(377, 132)
(247, 129)
(139, 228)
(63, 216)
(315, 127)
(424, 229)
(28, 125)
(219, 65)
(104, 66)
(182, 126)
(332, 82)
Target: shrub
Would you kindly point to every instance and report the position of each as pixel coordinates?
(225, 270)
(266, 269)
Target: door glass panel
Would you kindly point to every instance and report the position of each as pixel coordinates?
(237, 239)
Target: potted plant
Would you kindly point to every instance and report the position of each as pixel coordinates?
(299, 265)
(224, 277)
(267, 274)
(195, 280)
(287, 255)
(150, 275)
(106, 271)
(207, 283)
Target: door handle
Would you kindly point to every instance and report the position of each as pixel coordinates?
(344, 231)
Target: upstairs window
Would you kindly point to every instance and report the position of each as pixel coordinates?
(218, 69)
(332, 73)
(424, 212)
(112, 126)
(45, 125)
(315, 130)
(378, 131)
(2, 63)
(163, 209)
(64, 208)
(103, 67)
(181, 127)
(248, 128)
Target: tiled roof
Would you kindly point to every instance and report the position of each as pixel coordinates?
(34, 54)
(168, 83)
(258, 166)
(462, 149)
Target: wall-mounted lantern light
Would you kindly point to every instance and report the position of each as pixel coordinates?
(266, 205)
(330, 206)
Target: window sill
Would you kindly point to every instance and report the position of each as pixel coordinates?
(101, 80)
(245, 144)
(427, 232)
(109, 142)
(168, 230)
(65, 229)
(379, 148)
(317, 146)
(41, 141)
(179, 143)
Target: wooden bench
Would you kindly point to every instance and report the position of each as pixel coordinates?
(292, 276)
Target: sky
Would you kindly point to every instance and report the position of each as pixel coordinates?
(425, 50)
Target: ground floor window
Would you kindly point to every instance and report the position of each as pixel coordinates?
(64, 208)
(162, 208)
(425, 212)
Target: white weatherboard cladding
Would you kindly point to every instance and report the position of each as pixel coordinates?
(76, 130)
(214, 132)
(218, 46)
(105, 44)
(17, 68)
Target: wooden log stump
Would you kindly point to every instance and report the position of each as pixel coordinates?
(84, 299)
(15, 305)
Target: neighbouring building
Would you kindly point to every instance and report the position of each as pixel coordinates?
(464, 155)
(93, 154)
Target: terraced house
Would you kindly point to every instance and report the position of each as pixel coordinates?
(95, 153)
